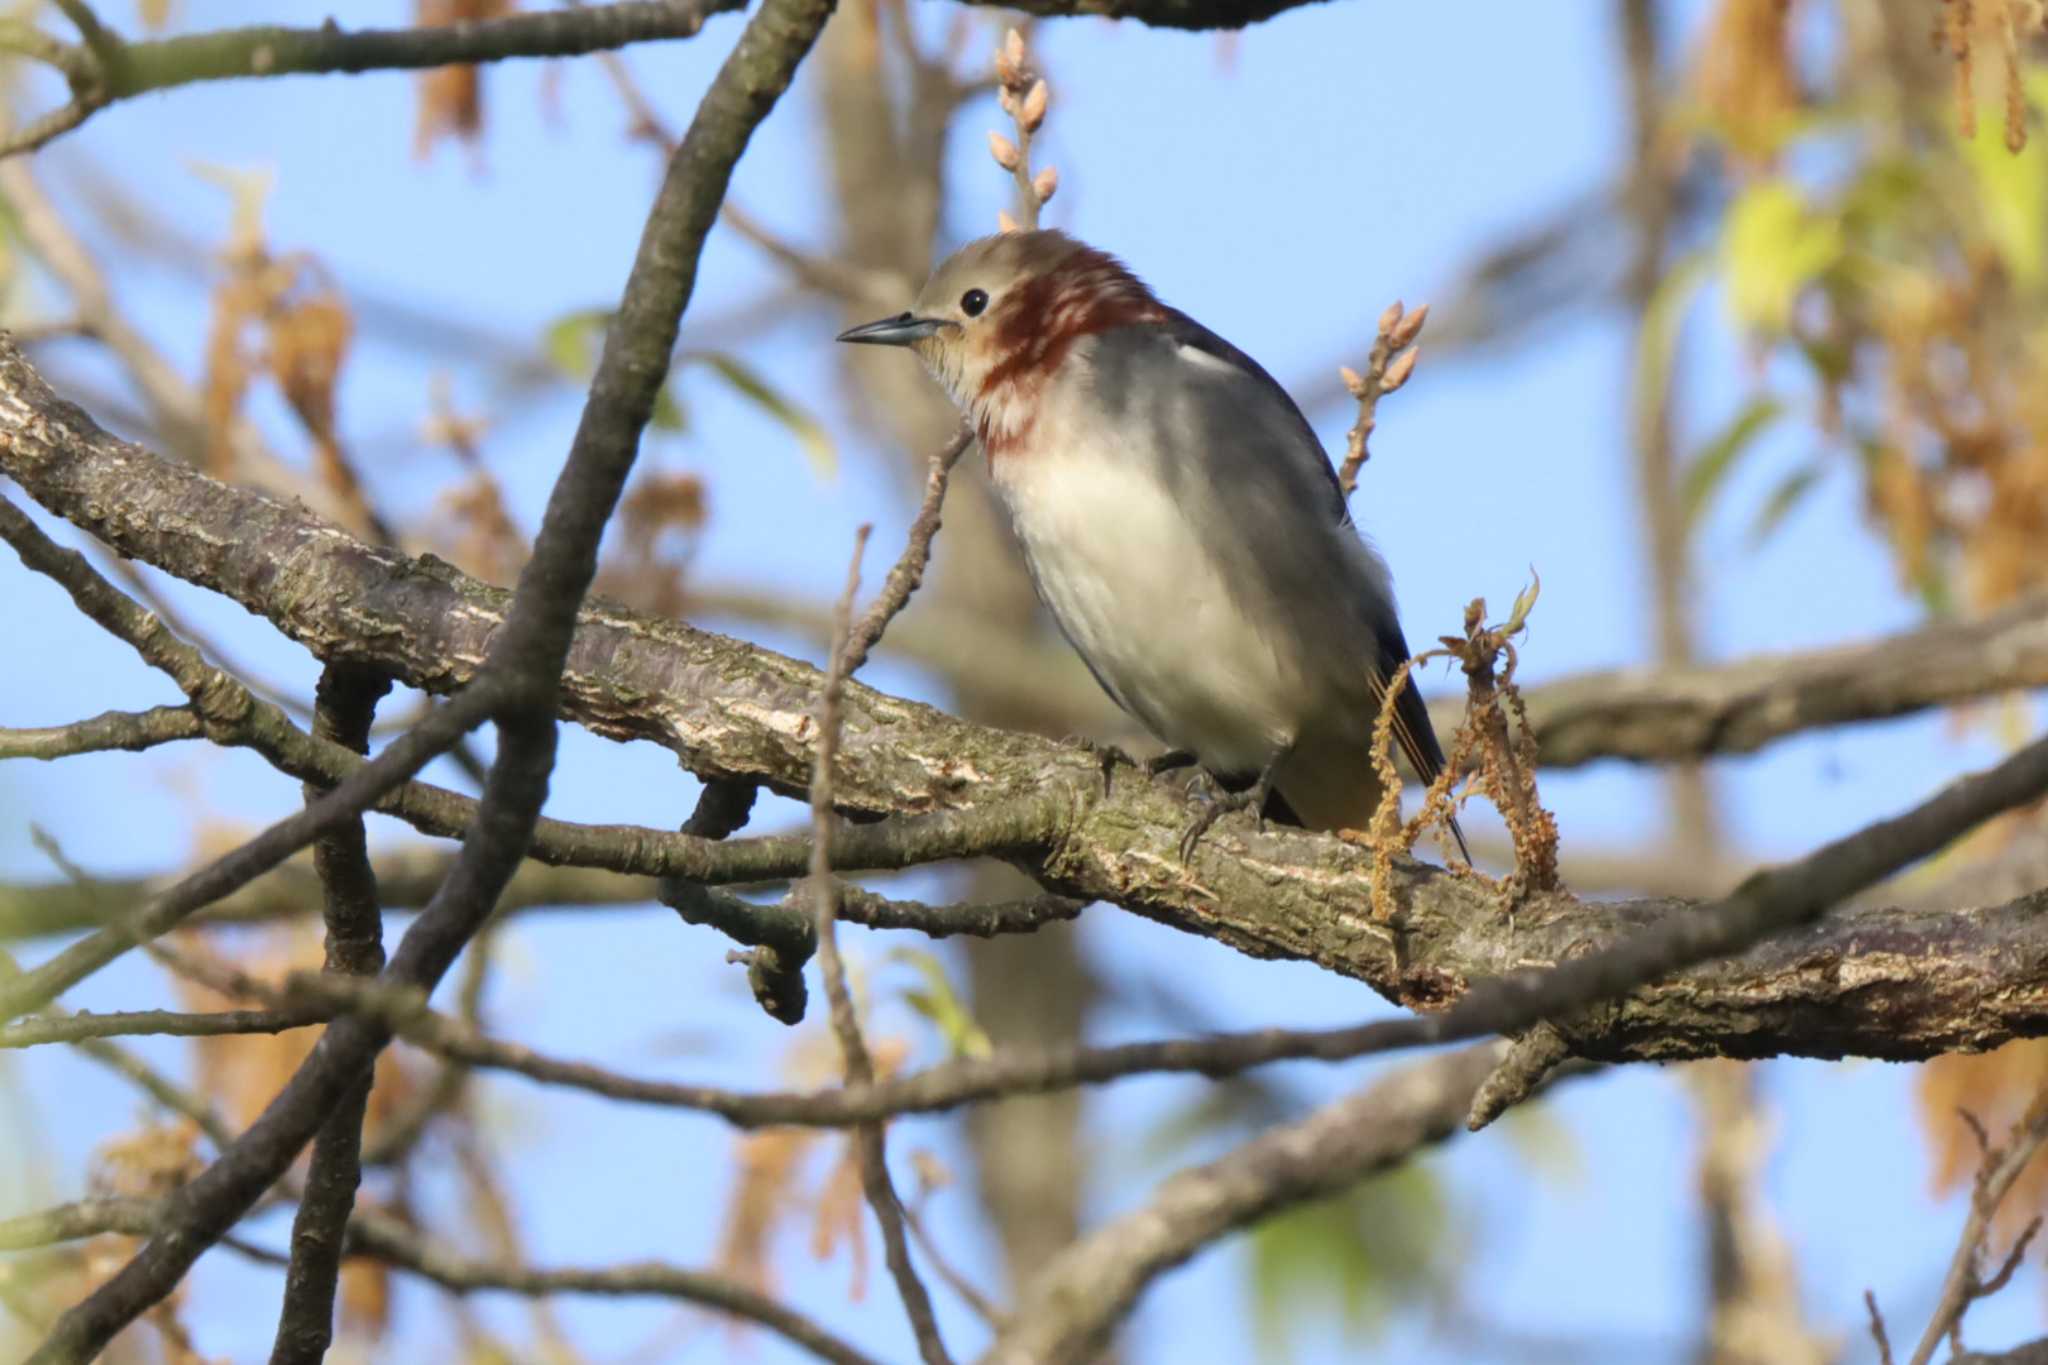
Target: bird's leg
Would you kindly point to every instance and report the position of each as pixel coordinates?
(1252, 798)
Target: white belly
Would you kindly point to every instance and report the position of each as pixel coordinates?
(1135, 589)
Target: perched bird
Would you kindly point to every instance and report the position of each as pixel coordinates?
(1179, 520)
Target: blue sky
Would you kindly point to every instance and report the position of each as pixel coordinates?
(1282, 189)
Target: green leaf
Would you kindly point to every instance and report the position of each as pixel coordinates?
(1772, 246)
(1707, 469)
(571, 341)
(747, 381)
(1358, 1253)
(1783, 498)
(669, 413)
(941, 1004)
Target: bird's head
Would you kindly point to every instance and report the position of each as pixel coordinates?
(1000, 316)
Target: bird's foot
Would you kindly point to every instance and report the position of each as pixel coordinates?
(1222, 803)
(1218, 803)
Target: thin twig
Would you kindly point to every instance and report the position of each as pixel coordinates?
(399, 761)
(345, 707)
(1965, 1282)
(382, 1237)
(1387, 368)
(860, 1069)
(908, 571)
(133, 731)
(970, 1294)
(78, 1028)
(1877, 1332)
(107, 70)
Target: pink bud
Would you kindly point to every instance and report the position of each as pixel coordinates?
(1045, 183)
(1409, 328)
(1353, 380)
(1034, 106)
(1398, 372)
(1013, 47)
(1004, 151)
(1004, 222)
(1390, 319)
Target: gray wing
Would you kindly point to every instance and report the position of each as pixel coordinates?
(1267, 478)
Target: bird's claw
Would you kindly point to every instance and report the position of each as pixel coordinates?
(1218, 804)
(1167, 762)
(1107, 757)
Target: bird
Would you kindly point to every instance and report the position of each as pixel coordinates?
(1180, 522)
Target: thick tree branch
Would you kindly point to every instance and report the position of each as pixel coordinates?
(1657, 715)
(1901, 983)
(635, 677)
(1577, 996)
(522, 670)
(106, 69)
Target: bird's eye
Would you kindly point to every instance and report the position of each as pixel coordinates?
(973, 301)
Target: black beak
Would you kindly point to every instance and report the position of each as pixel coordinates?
(901, 330)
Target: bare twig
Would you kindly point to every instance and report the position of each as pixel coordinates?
(344, 708)
(78, 1028)
(107, 69)
(860, 1069)
(397, 762)
(908, 572)
(130, 730)
(1387, 368)
(1877, 1332)
(383, 1238)
(1965, 1282)
(970, 1294)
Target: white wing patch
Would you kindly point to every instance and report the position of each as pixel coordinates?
(1207, 360)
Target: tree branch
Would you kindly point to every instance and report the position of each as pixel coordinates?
(384, 1238)
(1901, 983)
(1965, 1283)
(130, 730)
(345, 705)
(1069, 1309)
(107, 69)
(521, 677)
(853, 1048)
